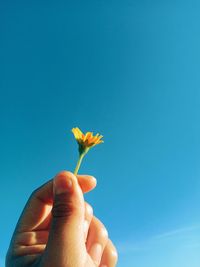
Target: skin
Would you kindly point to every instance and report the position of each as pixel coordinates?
(57, 228)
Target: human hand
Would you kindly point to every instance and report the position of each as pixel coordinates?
(58, 229)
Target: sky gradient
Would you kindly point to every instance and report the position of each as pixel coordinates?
(126, 69)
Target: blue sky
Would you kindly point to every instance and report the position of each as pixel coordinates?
(126, 69)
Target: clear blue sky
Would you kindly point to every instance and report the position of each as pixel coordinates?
(129, 70)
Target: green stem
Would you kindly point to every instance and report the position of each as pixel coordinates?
(79, 163)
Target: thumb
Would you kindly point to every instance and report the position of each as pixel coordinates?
(66, 236)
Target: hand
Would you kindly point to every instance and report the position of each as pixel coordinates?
(58, 229)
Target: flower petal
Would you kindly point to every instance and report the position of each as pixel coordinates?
(79, 133)
(74, 131)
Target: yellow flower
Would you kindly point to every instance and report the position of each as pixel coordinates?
(85, 142)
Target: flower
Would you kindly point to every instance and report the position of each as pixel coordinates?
(85, 142)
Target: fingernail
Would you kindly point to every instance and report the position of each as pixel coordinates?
(96, 252)
(62, 185)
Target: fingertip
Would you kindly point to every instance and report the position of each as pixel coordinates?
(87, 182)
(65, 174)
(93, 180)
(64, 181)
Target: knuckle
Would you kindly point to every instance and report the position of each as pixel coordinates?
(102, 230)
(113, 251)
(33, 195)
(114, 255)
(89, 209)
(60, 210)
(34, 192)
(64, 207)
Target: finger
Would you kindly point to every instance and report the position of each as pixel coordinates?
(86, 182)
(28, 250)
(32, 238)
(88, 219)
(109, 257)
(37, 211)
(96, 241)
(30, 243)
(68, 215)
